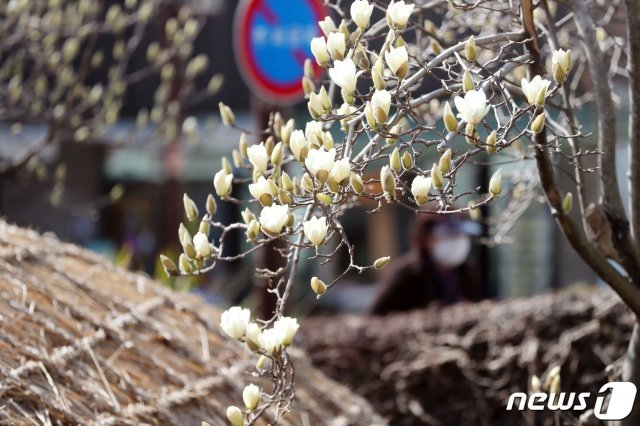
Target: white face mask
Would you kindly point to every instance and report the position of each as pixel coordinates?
(451, 251)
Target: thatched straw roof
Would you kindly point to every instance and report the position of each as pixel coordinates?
(83, 342)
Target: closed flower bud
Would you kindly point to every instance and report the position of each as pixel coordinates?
(361, 13)
(261, 362)
(318, 287)
(450, 122)
(226, 166)
(324, 99)
(377, 74)
(341, 171)
(407, 161)
(188, 248)
(327, 141)
(284, 197)
(306, 182)
(445, 162)
(471, 134)
(286, 130)
(308, 86)
(420, 189)
(436, 177)
(226, 114)
(314, 106)
(190, 209)
(251, 334)
(538, 123)
(247, 216)
(567, 203)
(285, 182)
(320, 52)
(258, 157)
(286, 329)
(327, 26)
(251, 397)
(237, 158)
(204, 224)
(234, 415)
(316, 230)
(182, 232)
(491, 143)
(222, 183)
(184, 264)
(398, 14)
(369, 115)
(495, 183)
(356, 183)
(380, 104)
(388, 182)
(276, 154)
(336, 45)
(243, 145)
(381, 262)
(470, 49)
(299, 145)
(324, 198)
(394, 160)
(253, 230)
(168, 265)
(561, 64)
(398, 61)
(202, 246)
(467, 81)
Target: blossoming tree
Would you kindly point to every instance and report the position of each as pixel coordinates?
(401, 84)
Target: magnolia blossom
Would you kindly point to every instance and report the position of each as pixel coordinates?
(344, 75)
(316, 230)
(319, 50)
(274, 218)
(563, 59)
(320, 162)
(286, 328)
(234, 321)
(420, 189)
(398, 61)
(473, 107)
(263, 190)
(361, 13)
(252, 332)
(535, 90)
(381, 103)
(327, 26)
(251, 397)
(270, 341)
(313, 132)
(222, 183)
(398, 14)
(336, 45)
(298, 144)
(258, 157)
(201, 243)
(341, 171)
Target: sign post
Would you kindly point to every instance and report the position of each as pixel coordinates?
(272, 40)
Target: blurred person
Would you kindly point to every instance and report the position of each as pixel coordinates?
(437, 268)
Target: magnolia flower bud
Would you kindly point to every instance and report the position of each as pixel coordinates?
(285, 182)
(535, 90)
(561, 64)
(369, 115)
(286, 329)
(237, 158)
(273, 219)
(320, 162)
(284, 197)
(320, 52)
(264, 190)
(361, 13)
(324, 99)
(253, 230)
(202, 246)
(388, 182)
(495, 183)
(467, 81)
(407, 161)
(190, 209)
(234, 321)
(251, 397)
(226, 114)
(327, 140)
(398, 14)
(251, 333)
(299, 145)
(567, 203)
(243, 145)
(381, 262)
(187, 246)
(308, 86)
(318, 287)
(226, 166)
(258, 157)
(222, 183)
(327, 26)
(182, 232)
(286, 130)
(420, 189)
(491, 143)
(270, 341)
(316, 230)
(394, 160)
(324, 198)
(377, 74)
(445, 161)
(169, 267)
(538, 123)
(314, 106)
(184, 264)
(247, 216)
(234, 415)
(261, 362)
(276, 154)
(341, 171)
(398, 61)
(336, 45)
(470, 49)
(306, 182)
(356, 183)
(436, 177)
(450, 122)
(471, 134)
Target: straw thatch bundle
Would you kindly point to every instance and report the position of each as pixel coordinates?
(458, 365)
(83, 342)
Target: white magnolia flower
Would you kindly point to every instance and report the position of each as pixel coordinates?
(251, 397)
(397, 59)
(336, 44)
(234, 321)
(252, 332)
(420, 189)
(535, 90)
(270, 341)
(313, 132)
(361, 13)
(473, 107)
(316, 230)
(398, 14)
(381, 103)
(258, 157)
(327, 26)
(201, 243)
(286, 328)
(235, 416)
(298, 144)
(320, 162)
(222, 183)
(344, 75)
(319, 50)
(274, 218)
(562, 58)
(263, 190)
(341, 171)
